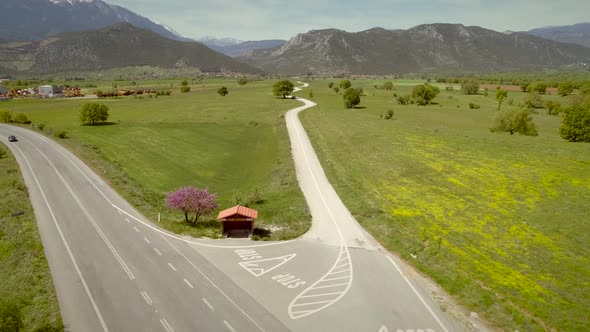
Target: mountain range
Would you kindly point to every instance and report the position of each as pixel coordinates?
(38, 19)
(235, 48)
(576, 34)
(119, 45)
(429, 47)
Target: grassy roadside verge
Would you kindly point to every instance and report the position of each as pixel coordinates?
(26, 287)
(500, 221)
(236, 145)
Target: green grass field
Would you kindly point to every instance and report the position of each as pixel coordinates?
(499, 221)
(25, 280)
(233, 145)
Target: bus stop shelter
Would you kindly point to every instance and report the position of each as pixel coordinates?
(237, 221)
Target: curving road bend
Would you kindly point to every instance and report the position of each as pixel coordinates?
(116, 271)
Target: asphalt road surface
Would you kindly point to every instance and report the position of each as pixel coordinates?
(114, 270)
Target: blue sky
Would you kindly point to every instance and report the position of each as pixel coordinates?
(271, 19)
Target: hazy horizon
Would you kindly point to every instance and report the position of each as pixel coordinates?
(270, 19)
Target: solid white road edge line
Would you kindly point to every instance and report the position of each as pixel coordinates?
(418, 294)
(119, 210)
(83, 208)
(63, 239)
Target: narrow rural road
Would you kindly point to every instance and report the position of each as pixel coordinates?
(114, 270)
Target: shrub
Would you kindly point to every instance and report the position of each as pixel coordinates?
(425, 93)
(474, 106)
(470, 87)
(387, 86)
(185, 89)
(61, 134)
(345, 84)
(449, 88)
(255, 197)
(21, 118)
(514, 121)
(242, 81)
(552, 107)
(539, 87)
(6, 116)
(403, 100)
(336, 89)
(41, 126)
(388, 115)
(575, 126)
(330, 85)
(223, 91)
(533, 100)
(352, 97)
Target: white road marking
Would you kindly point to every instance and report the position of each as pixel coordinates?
(147, 240)
(214, 285)
(383, 329)
(157, 251)
(167, 326)
(188, 283)
(172, 266)
(135, 228)
(229, 326)
(311, 303)
(127, 220)
(318, 295)
(208, 304)
(67, 246)
(344, 255)
(261, 267)
(176, 237)
(146, 297)
(121, 211)
(418, 295)
(83, 208)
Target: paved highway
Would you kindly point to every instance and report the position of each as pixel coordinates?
(116, 271)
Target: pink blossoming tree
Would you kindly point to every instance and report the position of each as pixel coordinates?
(192, 200)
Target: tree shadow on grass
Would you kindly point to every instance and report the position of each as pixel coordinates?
(359, 107)
(100, 124)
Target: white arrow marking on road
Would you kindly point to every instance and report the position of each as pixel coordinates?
(263, 266)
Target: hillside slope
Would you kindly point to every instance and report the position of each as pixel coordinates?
(39, 19)
(120, 45)
(576, 34)
(422, 48)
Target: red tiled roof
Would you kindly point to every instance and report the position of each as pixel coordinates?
(238, 209)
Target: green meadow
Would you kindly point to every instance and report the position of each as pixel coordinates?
(236, 146)
(26, 287)
(500, 221)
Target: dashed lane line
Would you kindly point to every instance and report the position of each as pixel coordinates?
(157, 251)
(188, 283)
(208, 304)
(214, 285)
(172, 267)
(67, 246)
(146, 240)
(229, 326)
